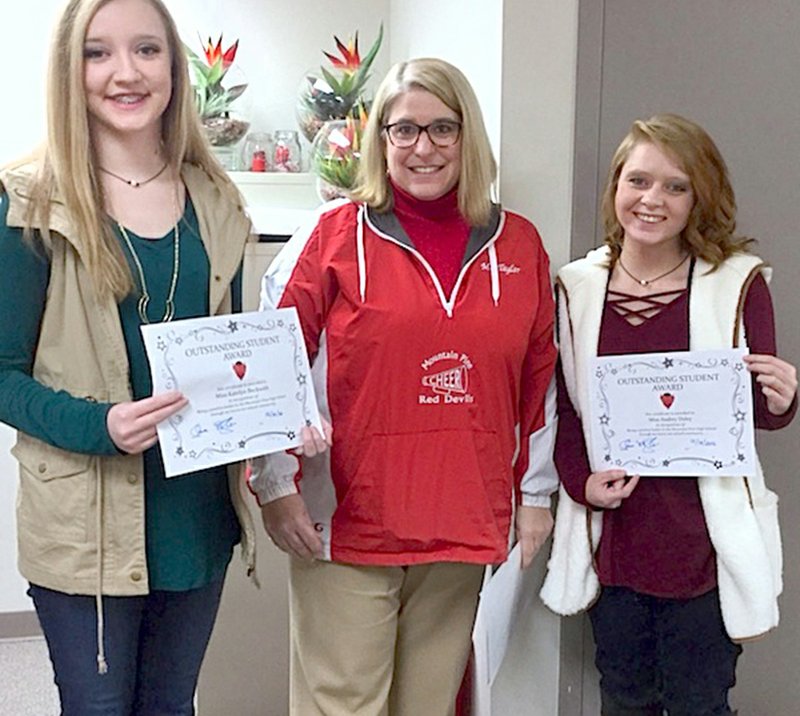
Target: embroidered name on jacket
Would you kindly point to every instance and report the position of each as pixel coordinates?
(446, 379)
(507, 269)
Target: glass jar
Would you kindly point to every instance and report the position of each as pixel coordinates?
(286, 153)
(257, 152)
(335, 155)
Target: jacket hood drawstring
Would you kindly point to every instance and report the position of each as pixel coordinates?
(362, 260)
(495, 274)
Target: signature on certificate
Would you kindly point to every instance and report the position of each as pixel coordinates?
(644, 444)
(226, 425)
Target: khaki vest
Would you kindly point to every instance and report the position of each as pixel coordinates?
(68, 503)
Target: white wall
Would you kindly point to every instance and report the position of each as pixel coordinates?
(26, 36)
(468, 33)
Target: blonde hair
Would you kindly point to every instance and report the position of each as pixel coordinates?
(68, 164)
(478, 166)
(709, 232)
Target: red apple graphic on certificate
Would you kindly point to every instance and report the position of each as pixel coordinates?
(240, 369)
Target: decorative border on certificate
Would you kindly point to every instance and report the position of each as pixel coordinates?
(248, 381)
(635, 424)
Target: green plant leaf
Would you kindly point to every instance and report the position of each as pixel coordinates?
(216, 73)
(235, 91)
(370, 56)
(333, 81)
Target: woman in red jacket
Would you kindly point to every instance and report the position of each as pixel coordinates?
(428, 315)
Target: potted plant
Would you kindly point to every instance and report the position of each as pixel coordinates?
(212, 99)
(338, 92)
(336, 154)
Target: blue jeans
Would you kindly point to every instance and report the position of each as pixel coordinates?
(658, 655)
(154, 648)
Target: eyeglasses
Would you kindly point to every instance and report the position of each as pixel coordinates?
(441, 133)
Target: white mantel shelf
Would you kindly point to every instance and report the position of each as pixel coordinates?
(278, 202)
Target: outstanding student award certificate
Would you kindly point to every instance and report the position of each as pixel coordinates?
(248, 382)
(687, 413)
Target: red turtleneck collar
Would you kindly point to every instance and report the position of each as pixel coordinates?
(442, 209)
(436, 229)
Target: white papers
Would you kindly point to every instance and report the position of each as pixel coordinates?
(248, 382)
(685, 413)
(502, 600)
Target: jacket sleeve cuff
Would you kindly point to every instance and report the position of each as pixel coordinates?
(536, 501)
(273, 476)
(105, 445)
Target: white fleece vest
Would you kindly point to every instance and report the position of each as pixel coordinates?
(741, 514)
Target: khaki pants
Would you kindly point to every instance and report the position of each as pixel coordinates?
(380, 641)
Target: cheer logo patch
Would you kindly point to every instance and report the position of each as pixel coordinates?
(445, 380)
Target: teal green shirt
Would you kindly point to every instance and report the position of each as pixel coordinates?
(190, 524)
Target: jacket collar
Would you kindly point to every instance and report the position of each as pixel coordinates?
(388, 223)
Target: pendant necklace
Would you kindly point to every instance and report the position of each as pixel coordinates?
(144, 299)
(132, 182)
(647, 281)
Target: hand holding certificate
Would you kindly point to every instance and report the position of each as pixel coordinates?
(248, 382)
(687, 413)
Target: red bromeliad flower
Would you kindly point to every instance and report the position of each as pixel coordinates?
(350, 60)
(212, 98)
(214, 53)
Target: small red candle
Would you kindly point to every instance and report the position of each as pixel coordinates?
(258, 162)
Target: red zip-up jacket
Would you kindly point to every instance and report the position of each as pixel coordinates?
(438, 401)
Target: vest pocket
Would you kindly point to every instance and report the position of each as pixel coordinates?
(54, 491)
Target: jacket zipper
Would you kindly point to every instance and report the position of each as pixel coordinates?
(448, 305)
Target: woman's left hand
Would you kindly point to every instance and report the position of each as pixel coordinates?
(533, 527)
(777, 378)
(314, 443)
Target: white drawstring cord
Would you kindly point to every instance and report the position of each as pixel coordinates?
(362, 260)
(495, 273)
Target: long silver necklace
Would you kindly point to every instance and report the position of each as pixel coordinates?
(132, 182)
(648, 281)
(144, 299)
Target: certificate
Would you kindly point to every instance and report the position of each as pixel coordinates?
(248, 382)
(502, 599)
(687, 413)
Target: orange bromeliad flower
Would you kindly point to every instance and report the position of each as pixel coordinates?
(214, 53)
(350, 60)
